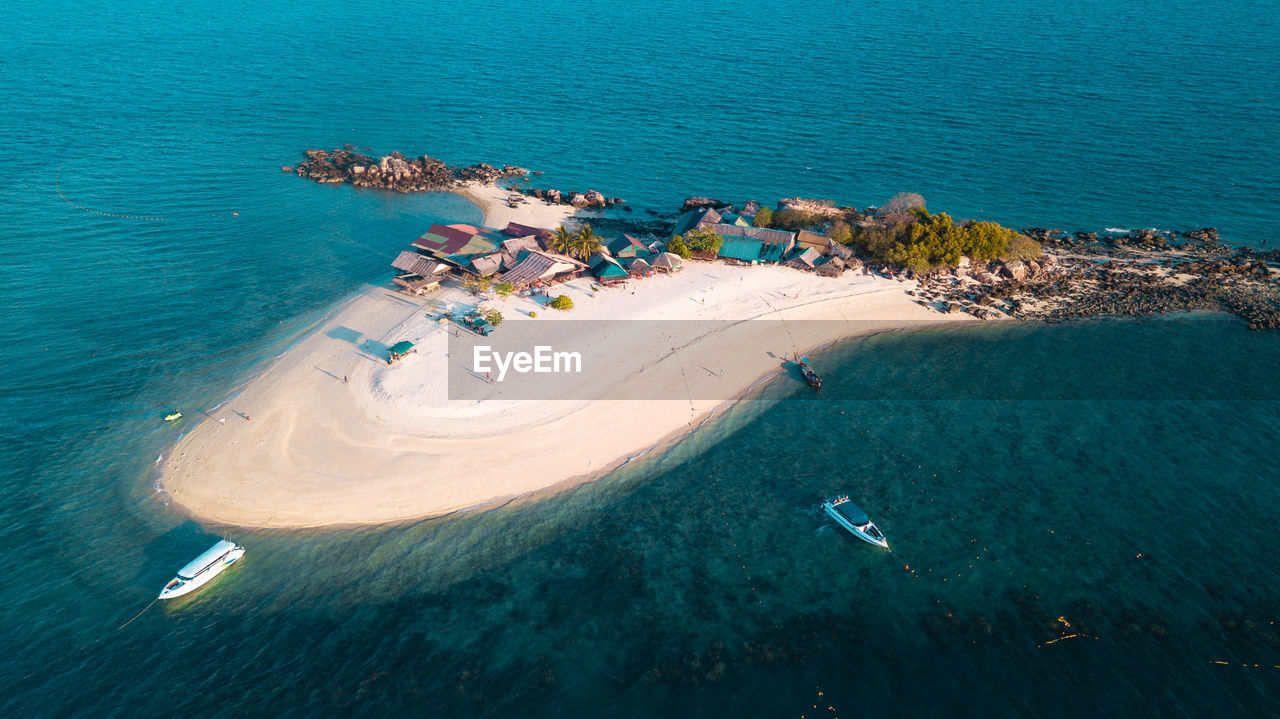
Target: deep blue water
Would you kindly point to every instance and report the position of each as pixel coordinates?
(704, 581)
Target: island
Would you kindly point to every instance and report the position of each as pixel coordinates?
(340, 430)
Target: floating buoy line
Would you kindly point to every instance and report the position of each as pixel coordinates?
(57, 185)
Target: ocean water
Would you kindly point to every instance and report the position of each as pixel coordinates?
(154, 256)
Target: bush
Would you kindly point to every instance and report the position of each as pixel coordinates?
(1022, 247)
(762, 218)
(563, 302)
(494, 317)
(794, 220)
(703, 239)
(504, 289)
(533, 314)
(678, 247)
(841, 232)
(903, 201)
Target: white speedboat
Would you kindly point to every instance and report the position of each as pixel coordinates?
(202, 569)
(848, 515)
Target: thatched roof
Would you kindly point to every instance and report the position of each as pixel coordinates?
(668, 261)
(417, 285)
(416, 264)
(805, 260)
(832, 267)
(487, 265)
(638, 266)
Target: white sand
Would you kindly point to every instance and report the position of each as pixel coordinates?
(387, 445)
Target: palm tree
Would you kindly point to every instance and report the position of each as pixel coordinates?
(563, 240)
(587, 243)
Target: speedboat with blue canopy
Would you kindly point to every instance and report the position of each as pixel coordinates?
(851, 517)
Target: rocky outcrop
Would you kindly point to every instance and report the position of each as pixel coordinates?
(1138, 273)
(590, 198)
(395, 171)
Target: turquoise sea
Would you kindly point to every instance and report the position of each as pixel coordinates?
(1094, 534)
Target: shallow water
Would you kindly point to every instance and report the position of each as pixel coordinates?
(1027, 478)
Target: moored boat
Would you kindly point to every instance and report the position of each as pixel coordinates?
(809, 375)
(202, 569)
(851, 517)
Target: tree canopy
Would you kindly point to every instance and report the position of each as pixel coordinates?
(929, 241)
(703, 239)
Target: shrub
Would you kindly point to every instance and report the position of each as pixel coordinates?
(903, 201)
(533, 313)
(504, 289)
(703, 239)
(563, 302)
(796, 220)
(840, 232)
(678, 247)
(494, 317)
(762, 218)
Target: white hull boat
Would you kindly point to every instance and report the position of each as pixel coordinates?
(202, 569)
(848, 515)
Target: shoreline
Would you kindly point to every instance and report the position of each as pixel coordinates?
(337, 438)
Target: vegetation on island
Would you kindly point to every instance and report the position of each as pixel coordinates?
(563, 302)
(476, 285)
(504, 289)
(581, 244)
(763, 217)
(493, 317)
(920, 241)
(677, 246)
(703, 239)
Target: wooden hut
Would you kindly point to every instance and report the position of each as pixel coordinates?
(806, 259)
(667, 262)
(832, 267)
(638, 267)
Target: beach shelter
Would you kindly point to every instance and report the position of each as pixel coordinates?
(607, 269)
(667, 262)
(398, 350)
(740, 248)
(804, 260)
(639, 267)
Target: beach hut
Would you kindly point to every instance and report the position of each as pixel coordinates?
(486, 265)
(697, 217)
(638, 267)
(417, 285)
(399, 350)
(740, 249)
(806, 259)
(667, 262)
(832, 267)
(628, 246)
(535, 266)
(772, 245)
(606, 269)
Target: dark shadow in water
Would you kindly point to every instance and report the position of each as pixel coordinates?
(345, 334)
(169, 552)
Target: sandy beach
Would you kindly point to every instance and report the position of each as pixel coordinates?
(330, 434)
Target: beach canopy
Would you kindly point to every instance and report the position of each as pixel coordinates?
(667, 261)
(401, 347)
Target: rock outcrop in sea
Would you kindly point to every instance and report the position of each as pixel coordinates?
(426, 174)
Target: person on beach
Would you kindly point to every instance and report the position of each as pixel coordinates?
(344, 379)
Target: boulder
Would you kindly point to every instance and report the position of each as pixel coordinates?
(1014, 270)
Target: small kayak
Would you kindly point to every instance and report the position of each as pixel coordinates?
(172, 416)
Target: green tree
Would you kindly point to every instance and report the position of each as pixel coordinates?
(563, 302)
(586, 243)
(762, 218)
(703, 239)
(563, 240)
(504, 289)
(840, 232)
(494, 317)
(478, 284)
(677, 246)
